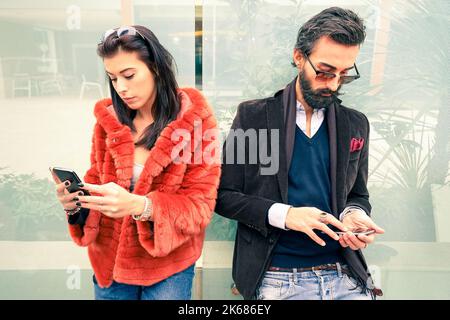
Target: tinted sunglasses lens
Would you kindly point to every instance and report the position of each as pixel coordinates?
(348, 79)
(126, 31)
(322, 76)
(107, 34)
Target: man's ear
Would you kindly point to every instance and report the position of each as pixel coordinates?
(298, 58)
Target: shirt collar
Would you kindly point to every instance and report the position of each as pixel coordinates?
(301, 108)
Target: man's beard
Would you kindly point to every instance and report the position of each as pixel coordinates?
(314, 98)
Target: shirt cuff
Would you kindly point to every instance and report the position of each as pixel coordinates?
(348, 209)
(277, 215)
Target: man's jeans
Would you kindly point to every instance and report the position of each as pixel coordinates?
(176, 287)
(310, 285)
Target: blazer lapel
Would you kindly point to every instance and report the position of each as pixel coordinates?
(275, 121)
(331, 122)
(290, 119)
(342, 127)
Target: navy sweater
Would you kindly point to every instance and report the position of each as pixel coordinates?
(309, 186)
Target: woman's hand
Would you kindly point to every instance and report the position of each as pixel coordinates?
(114, 202)
(68, 200)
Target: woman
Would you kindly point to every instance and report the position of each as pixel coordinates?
(144, 221)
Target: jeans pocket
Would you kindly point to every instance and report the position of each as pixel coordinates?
(273, 289)
(350, 282)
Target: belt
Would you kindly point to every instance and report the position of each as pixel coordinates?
(323, 267)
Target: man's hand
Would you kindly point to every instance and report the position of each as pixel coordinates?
(358, 221)
(306, 219)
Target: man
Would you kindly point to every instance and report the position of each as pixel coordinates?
(286, 243)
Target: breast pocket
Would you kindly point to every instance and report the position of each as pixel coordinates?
(354, 155)
(352, 169)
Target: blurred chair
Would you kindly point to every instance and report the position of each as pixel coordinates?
(21, 82)
(51, 85)
(89, 84)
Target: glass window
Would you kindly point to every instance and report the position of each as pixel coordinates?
(51, 77)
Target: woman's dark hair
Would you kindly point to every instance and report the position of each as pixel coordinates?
(342, 25)
(161, 63)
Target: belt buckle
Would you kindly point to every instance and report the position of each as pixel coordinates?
(324, 267)
(318, 268)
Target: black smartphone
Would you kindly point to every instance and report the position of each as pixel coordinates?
(67, 174)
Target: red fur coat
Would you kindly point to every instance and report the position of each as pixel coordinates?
(183, 197)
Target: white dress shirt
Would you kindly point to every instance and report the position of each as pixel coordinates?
(278, 211)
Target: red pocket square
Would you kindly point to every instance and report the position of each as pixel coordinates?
(356, 144)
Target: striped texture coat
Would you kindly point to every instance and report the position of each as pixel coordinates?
(183, 197)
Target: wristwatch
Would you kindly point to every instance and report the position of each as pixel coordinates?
(147, 213)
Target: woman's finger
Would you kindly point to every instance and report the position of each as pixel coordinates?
(61, 188)
(93, 206)
(72, 197)
(97, 200)
(104, 189)
(55, 177)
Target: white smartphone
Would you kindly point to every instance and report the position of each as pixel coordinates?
(356, 233)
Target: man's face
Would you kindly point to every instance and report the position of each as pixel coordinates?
(328, 56)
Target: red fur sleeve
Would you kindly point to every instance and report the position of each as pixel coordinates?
(83, 236)
(181, 216)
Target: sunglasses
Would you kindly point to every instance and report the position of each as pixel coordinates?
(122, 31)
(324, 76)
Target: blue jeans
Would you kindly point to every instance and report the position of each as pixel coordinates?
(310, 285)
(175, 287)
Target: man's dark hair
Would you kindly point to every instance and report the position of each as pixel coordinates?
(342, 25)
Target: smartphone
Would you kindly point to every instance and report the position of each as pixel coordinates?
(67, 174)
(356, 233)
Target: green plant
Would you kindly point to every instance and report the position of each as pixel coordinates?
(29, 207)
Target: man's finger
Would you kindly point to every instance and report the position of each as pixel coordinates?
(343, 243)
(328, 231)
(335, 222)
(349, 243)
(375, 227)
(353, 240)
(367, 239)
(314, 237)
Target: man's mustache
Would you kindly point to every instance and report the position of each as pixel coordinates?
(328, 91)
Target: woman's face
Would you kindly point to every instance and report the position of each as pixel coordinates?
(132, 79)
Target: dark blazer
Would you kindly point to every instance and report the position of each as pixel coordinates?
(246, 196)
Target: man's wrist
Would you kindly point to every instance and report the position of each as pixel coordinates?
(277, 215)
(350, 210)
